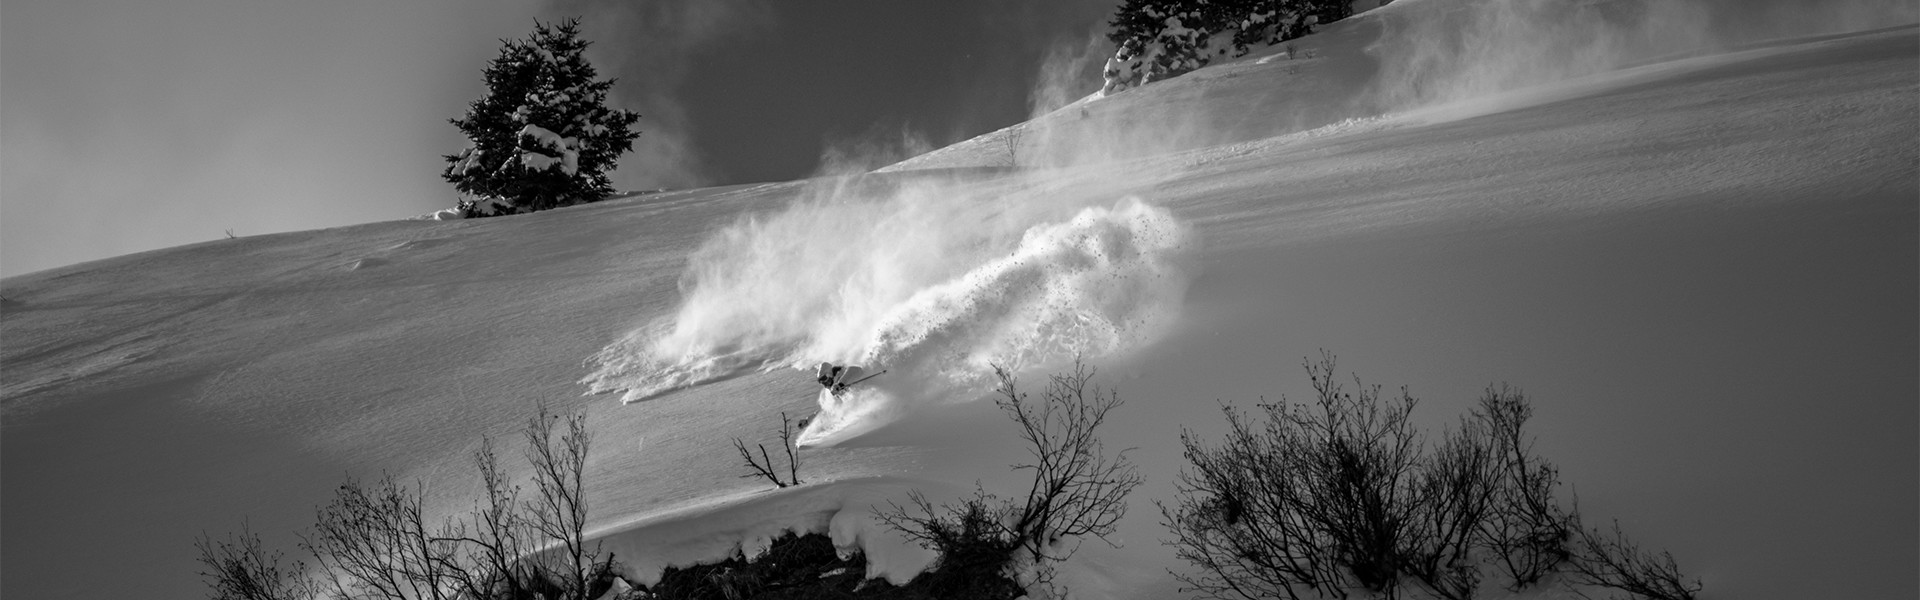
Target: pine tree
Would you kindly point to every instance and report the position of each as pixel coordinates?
(1157, 39)
(542, 137)
(1160, 39)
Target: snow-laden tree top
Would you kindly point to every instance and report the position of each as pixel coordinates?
(543, 136)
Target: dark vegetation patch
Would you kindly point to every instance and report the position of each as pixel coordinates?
(807, 567)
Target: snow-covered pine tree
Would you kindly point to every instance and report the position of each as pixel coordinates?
(542, 137)
(1268, 22)
(1160, 39)
(1157, 39)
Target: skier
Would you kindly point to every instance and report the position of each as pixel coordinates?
(837, 378)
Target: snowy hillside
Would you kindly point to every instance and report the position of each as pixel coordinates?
(1701, 262)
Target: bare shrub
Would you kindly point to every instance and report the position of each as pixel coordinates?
(1525, 530)
(238, 568)
(1345, 495)
(1317, 498)
(762, 466)
(1076, 490)
(558, 510)
(373, 542)
(377, 542)
(1455, 492)
(494, 536)
(1364, 467)
(1487, 497)
(1610, 560)
(975, 548)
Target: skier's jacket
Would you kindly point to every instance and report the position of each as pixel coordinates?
(836, 378)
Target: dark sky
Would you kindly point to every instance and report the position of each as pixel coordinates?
(131, 125)
(753, 91)
(844, 71)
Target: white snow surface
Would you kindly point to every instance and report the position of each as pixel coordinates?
(1701, 266)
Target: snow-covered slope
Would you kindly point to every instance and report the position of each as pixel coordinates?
(1703, 271)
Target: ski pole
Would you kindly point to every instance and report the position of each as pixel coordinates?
(867, 377)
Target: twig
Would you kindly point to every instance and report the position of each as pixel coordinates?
(763, 465)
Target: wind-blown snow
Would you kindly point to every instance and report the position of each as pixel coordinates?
(1445, 52)
(930, 284)
(1101, 282)
(1106, 281)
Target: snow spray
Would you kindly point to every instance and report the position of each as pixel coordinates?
(1444, 52)
(933, 281)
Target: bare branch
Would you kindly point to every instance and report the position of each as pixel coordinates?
(558, 510)
(763, 467)
(238, 568)
(1345, 494)
(375, 542)
(1611, 560)
(786, 441)
(1076, 489)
